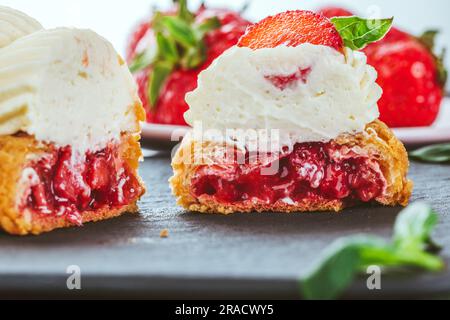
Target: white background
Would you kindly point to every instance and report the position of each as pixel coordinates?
(114, 19)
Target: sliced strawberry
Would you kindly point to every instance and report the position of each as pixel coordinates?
(292, 28)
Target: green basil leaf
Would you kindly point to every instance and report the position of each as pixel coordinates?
(439, 153)
(414, 225)
(417, 258)
(167, 48)
(142, 61)
(358, 32)
(347, 257)
(207, 26)
(392, 256)
(158, 77)
(338, 267)
(180, 31)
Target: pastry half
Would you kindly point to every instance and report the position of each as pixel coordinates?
(287, 121)
(69, 129)
(369, 167)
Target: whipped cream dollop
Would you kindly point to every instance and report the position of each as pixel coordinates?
(14, 25)
(68, 87)
(309, 92)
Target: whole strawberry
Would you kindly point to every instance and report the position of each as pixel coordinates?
(167, 53)
(413, 80)
(412, 77)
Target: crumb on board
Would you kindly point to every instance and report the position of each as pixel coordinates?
(164, 233)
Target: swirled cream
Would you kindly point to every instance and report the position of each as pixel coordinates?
(68, 87)
(309, 92)
(14, 25)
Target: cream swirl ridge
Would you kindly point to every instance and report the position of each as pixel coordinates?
(14, 25)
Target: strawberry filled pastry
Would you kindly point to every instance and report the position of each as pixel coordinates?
(167, 52)
(69, 128)
(287, 121)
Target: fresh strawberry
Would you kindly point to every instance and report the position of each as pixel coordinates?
(393, 35)
(292, 28)
(412, 78)
(331, 12)
(186, 44)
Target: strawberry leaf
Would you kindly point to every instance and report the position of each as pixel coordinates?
(161, 71)
(142, 61)
(428, 40)
(193, 57)
(180, 31)
(441, 70)
(184, 13)
(167, 48)
(179, 44)
(207, 26)
(357, 32)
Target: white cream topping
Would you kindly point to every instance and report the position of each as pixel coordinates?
(14, 25)
(68, 87)
(335, 93)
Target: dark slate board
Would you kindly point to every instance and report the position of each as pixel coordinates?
(239, 256)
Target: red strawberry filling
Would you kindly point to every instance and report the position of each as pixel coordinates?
(283, 82)
(312, 172)
(59, 187)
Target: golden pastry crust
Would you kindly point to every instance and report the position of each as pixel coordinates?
(15, 153)
(377, 140)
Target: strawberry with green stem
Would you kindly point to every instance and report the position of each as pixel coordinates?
(167, 54)
(413, 79)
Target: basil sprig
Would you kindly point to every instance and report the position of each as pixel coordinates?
(179, 44)
(357, 32)
(439, 153)
(347, 257)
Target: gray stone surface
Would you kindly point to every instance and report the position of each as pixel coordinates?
(205, 256)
